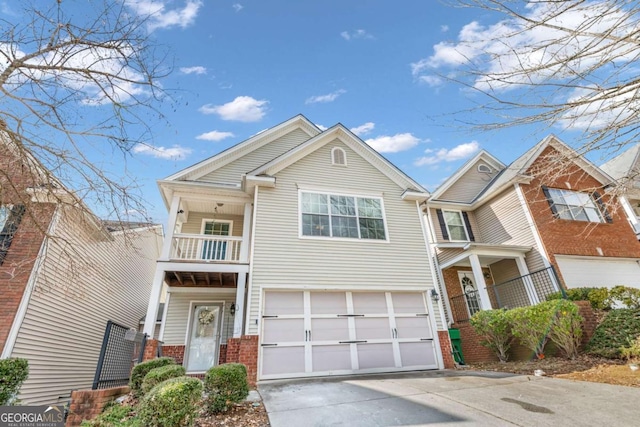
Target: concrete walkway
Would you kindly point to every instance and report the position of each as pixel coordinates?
(448, 398)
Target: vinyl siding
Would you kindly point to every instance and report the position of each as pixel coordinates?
(232, 172)
(64, 324)
(194, 224)
(504, 270)
(175, 328)
(281, 258)
(469, 185)
(445, 255)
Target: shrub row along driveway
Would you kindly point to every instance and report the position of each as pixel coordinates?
(450, 398)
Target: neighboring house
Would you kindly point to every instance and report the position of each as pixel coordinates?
(625, 169)
(298, 252)
(507, 236)
(63, 275)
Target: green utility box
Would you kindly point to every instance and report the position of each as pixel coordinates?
(456, 343)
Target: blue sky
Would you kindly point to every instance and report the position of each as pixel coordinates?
(242, 67)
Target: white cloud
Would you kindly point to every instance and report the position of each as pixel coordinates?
(237, 7)
(458, 152)
(330, 97)
(444, 28)
(431, 80)
(193, 70)
(393, 144)
(160, 17)
(172, 153)
(215, 136)
(356, 34)
(363, 129)
(241, 109)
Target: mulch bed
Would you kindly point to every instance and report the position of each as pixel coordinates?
(251, 414)
(550, 365)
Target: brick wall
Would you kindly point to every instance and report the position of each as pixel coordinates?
(590, 321)
(150, 349)
(576, 237)
(87, 404)
(454, 288)
(174, 351)
(23, 252)
(245, 350)
(445, 347)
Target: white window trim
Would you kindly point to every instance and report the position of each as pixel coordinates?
(222, 221)
(464, 225)
(584, 206)
(333, 156)
(192, 304)
(344, 239)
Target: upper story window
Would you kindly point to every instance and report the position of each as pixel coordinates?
(573, 205)
(338, 156)
(455, 225)
(330, 215)
(10, 217)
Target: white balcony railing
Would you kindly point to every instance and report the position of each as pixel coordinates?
(206, 248)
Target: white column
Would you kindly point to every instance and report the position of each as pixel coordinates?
(239, 316)
(631, 215)
(246, 233)
(528, 283)
(171, 226)
(154, 303)
(480, 283)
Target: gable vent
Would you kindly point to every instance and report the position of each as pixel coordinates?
(484, 168)
(338, 156)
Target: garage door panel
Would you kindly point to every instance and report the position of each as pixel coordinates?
(369, 302)
(599, 272)
(374, 356)
(279, 303)
(408, 303)
(328, 303)
(329, 329)
(413, 327)
(331, 358)
(283, 330)
(417, 353)
(370, 328)
(283, 360)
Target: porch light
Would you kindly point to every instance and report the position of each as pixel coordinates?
(434, 295)
(232, 309)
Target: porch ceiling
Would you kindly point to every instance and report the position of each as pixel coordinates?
(487, 253)
(213, 206)
(201, 279)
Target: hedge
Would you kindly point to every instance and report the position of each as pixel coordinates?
(13, 372)
(158, 375)
(172, 403)
(225, 384)
(618, 329)
(142, 369)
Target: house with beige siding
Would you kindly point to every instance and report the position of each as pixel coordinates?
(63, 275)
(509, 235)
(300, 253)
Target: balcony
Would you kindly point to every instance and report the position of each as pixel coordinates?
(206, 248)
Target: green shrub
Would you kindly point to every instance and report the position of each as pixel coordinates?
(495, 329)
(142, 369)
(225, 384)
(566, 328)
(172, 403)
(158, 375)
(13, 372)
(619, 328)
(531, 325)
(600, 299)
(632, 351)
(627, 297)
(115, 415)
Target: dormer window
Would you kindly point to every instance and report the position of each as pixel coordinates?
(338, 156)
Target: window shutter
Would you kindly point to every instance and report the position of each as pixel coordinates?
(467, 224)
(443, 225)
(552, 205)
(6, 234)
(603, 208)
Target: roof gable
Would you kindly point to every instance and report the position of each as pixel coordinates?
(350, 140)
(624, 164)
(232, 154)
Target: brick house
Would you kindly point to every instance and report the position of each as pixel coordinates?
(298, 252)
(62, 276)
(507, 236)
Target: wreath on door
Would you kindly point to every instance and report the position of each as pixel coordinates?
(206, 317)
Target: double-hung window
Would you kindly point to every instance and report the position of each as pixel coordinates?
(332, 215)
(10, 217)
(455, 225)
(573, 205)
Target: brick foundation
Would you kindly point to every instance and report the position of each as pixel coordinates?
(174, 351)
(590, 321)
(150, 349)
(445, 346)
(87, 404)
(244, 350)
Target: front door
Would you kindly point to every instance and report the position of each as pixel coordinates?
(204, 337)
(470, 291)
(215, 249)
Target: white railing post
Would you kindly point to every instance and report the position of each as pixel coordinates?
(171, 227)
(246, 233)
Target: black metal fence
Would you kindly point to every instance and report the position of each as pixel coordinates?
(466, 305)
(122, 347)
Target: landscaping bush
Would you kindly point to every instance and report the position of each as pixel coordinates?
(632, 351)
(172, 403)
(566, 327)
(600, 299)
(158, 375)
(494, 327)
(115, 415)
(619, 328)
(225, 384)
(627, 297)
(142, 369)
(13, 372)
(531, 325)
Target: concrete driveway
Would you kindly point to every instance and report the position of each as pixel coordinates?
(448, 398)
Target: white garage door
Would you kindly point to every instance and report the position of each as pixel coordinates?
(598, 272)
(306, 333)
